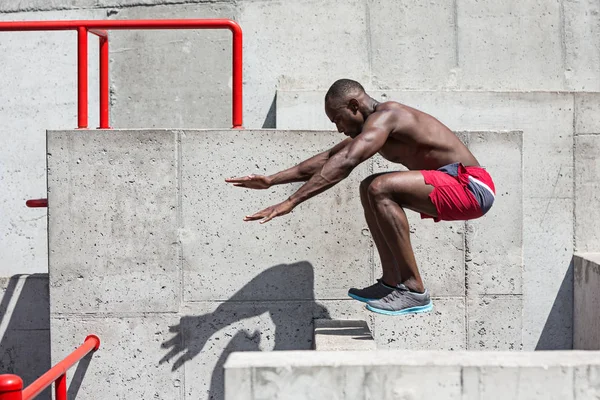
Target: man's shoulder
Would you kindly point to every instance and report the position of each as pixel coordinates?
(394, 112)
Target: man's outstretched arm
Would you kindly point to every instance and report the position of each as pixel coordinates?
(335, 169)
(298, 173)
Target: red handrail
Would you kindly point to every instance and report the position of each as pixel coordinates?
(11, 386)
(98, 28)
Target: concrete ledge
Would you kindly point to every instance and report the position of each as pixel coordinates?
(339, 335)
(401, 374)
(586, 314)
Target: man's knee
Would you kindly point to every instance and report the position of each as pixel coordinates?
(378, 188)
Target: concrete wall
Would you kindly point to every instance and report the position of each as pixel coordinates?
(149, 252)
(181, 79)
(586, 321)
(413, 375)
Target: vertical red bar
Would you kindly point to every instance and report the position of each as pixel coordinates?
(104, 84)
(11, 387)
(82, 78)
(60, 388)
(237, 78)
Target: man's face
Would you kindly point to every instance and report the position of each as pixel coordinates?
(345, 116)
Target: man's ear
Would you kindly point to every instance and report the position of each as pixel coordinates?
(353, 105)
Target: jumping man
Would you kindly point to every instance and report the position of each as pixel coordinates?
(444, 182)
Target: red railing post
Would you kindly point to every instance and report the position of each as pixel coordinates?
(82, 77)
(104, 84)
(238, 109)
(60, 388)
(11, 387)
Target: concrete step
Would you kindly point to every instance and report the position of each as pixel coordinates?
(338, 335)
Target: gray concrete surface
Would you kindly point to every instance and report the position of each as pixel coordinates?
(342, 335)
(412, 375)
(586, 315)
(587, 189)
(146, 235)
(539, 247)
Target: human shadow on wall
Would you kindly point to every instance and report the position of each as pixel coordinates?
(557, 333)
(291, 310)
(25, 328)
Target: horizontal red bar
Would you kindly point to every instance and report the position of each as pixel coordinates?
(37, 203)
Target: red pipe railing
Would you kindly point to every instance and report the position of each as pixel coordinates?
(99, 28)
(11, 386)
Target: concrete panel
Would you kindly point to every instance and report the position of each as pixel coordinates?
(494, 257)
(408, 374)
(317, 251)
(209, 332)
(421, 53)
(587, 197)
(587, 111)
(113, 221)
(497, 38)
(438, 248)
(582, 53)
(495, 323)
(442, 329)
(169, 78)
(38, 93)
(546, 120)
(586, 313)
(310, 53)
(127, 363)
(12, 6)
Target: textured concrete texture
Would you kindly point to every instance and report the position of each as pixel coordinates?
(25, 327)
(342, 334)
(145, 232)
(413, 375)
(587, 190)
(586, 314)
(549, 122)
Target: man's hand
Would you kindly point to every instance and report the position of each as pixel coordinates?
(271, 212)
(251, 181)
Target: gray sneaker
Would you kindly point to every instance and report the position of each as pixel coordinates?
(401, 301)
(374, 292)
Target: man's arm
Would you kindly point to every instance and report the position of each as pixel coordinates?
(339, 166)
(306, 169)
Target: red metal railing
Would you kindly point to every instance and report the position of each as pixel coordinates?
(99, 28)
(11, 386)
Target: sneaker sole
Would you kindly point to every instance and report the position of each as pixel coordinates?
(361, 299)
(411, 310)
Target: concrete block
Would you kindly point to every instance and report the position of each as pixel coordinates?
(582, 53)
(500, 36)
(342, 334)
(587, 186)
(113, 221)
(494, 254)
(438, 248)
(310, 53)
(417, 55)
(151, 95)
(25, 303)
(443, 328)
(495, 322)
(317, 251)
(586, 313)
(209, 332)
(127, 363)
(587, 108)
(586, 382)
(32, 6)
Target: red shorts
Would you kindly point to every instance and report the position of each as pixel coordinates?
(460, 193)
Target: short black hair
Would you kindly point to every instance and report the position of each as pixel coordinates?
(343, 88)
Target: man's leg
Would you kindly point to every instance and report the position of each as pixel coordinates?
(391, 274)
(388, 194)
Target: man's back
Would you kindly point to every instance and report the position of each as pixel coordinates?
(420, 141)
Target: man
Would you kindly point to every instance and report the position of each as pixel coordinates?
(444, 182)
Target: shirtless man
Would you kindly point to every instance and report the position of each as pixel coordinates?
(445, 182)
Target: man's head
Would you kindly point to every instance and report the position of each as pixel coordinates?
(345, 105)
